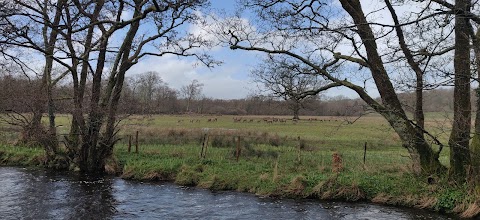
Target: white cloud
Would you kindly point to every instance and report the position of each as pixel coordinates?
(218, 83)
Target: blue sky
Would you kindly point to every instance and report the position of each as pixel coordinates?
(228, 81)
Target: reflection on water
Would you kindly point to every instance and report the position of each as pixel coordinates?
(27, 194)
(44, 195)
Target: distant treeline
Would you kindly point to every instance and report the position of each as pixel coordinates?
(17, 93)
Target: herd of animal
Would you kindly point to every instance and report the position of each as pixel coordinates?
(268, 120)
(265, 119)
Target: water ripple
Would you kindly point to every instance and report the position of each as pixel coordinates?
(38, 194)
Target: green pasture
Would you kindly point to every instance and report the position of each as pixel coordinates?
(318, 134)
(324, 134)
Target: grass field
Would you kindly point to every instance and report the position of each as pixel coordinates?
(318, 158)
(324, 134)
(318, 137)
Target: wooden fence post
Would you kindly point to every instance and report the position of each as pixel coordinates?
(238, 148)
(203, 145)
(136, 143)
(206, 146)
(364, 153)
(299, 150)
(203, 153)
(129, 143)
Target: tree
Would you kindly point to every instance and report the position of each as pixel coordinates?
(90, 34)
(146, 86)
(167, 99)
(40, 34)
(146, 93)
(191, 92)
(315, 33)
(475, 145)
(290, 80)
(460, 135)
(459, 141)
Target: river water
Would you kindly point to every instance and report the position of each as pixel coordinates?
(40, 194)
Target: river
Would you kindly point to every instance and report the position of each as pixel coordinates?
(41, 194)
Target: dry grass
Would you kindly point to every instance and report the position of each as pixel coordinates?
(427, 203)
(264, 177)
(275, 175)
(296, 186)
(324, 189)
(471, 211)
(112, 166)
(382, 198)
(159, 176)
(350, 193)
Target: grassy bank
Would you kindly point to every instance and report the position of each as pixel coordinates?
(327, 162)
(21, 156)
(285, 171)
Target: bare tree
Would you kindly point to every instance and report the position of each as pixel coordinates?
(89, 35)
(460, 135)
(475, 145)
(35, 25)
(290, 80)
(192, 92)
(315, 33)
(146, 86)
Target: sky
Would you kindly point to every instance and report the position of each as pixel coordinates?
(231, 80)
(228, 81)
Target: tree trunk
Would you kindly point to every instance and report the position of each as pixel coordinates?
(295, 115)
(188, 105)
(84, 133)
(296, 110)
(87, 156)
(424, 158)
(30, 131)
(475, 145)
(79, 85)
(50, 141)
(97, 148)
(419, 115)
(460, 135)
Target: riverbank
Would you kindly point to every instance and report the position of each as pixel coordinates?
(70, 195)
(283, 172)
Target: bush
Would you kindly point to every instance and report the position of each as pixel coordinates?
(448, 199)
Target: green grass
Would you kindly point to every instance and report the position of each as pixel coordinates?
(20, 156)
(274, 162)
(385, 178)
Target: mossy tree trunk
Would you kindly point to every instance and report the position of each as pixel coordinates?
(93, 147)
(460, 135)
(35, 132)
(475, 144)
(425, 159)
